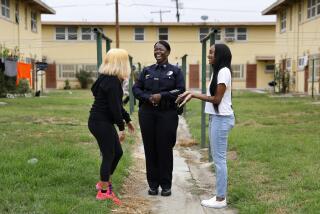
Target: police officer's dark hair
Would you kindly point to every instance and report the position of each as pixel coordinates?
(164, 43)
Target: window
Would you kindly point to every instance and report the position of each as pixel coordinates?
(66, 33)
(72, 33)
(230, 33)
(242, 34)
(163, 33)
(87, 33)
(302, 62)
(283, 21)
(237, 71)
(17, 13)
(218, 34)
(34, 21)
(67, 71)
(203, 32)
(60, 33)
(92, 69)
(269, 68)
(5, 8)
(313, 8)
(139, 34)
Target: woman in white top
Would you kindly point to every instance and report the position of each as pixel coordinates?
(219, 108)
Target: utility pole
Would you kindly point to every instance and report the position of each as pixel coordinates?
(177, 7)
(160, 12)
(117, 24)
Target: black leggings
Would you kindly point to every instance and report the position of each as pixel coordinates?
(109, 144)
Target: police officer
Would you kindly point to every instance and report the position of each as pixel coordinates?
(156, 89)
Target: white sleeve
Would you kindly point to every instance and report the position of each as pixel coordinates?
(224, 76)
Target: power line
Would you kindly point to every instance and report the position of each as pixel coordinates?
(161, 12)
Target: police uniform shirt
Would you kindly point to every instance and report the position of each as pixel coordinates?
(165, 79)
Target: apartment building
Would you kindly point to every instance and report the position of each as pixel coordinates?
(71, 46)
(297, 42)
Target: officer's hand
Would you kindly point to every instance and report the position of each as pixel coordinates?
(122, 136)
(156, 98)
(130, 127)
(184, 98)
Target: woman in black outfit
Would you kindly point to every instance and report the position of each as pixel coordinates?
(106, 111)
(157, 89)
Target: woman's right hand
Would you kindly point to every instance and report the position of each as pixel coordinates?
(122, 136)
(184, 98)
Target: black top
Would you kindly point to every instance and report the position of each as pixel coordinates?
(107, 106)
(165, 79)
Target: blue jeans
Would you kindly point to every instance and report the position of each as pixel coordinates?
(219, 128)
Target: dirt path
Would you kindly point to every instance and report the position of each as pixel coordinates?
(193, 181)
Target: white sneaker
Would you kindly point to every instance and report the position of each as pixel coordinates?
(213, 203)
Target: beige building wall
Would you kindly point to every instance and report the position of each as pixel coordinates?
(301, 37)
(183, 38)
(16, 31)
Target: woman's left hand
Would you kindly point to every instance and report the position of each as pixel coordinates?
(155, 99)
(184, 98)
(130, 127)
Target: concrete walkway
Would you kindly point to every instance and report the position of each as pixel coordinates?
(193, 180)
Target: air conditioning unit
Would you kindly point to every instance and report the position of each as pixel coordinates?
(229, 39)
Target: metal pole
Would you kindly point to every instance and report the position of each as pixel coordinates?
(131, 101)
(184, 71)
(178, 14)
(108, 45)
(99, 50)
(117, 24)
(212, 42)
(312, 83)
(203, 86)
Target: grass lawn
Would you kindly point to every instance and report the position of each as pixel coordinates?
(277, 147)
(53, 130)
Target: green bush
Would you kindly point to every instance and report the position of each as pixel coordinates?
(84, 77)
(67, 85)
(23, 87)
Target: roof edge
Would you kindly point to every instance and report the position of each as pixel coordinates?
(46, 9)
(161, 23)
(272, 9)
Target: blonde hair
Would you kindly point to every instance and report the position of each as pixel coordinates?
(116, 63)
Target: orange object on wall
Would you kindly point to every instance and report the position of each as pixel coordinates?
(24, 72)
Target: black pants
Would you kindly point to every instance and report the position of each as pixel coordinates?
(110, 147)
(159, 132)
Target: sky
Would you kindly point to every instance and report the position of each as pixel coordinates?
(141, 10)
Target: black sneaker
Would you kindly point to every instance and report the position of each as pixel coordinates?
(165, 192)
(153, 191)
